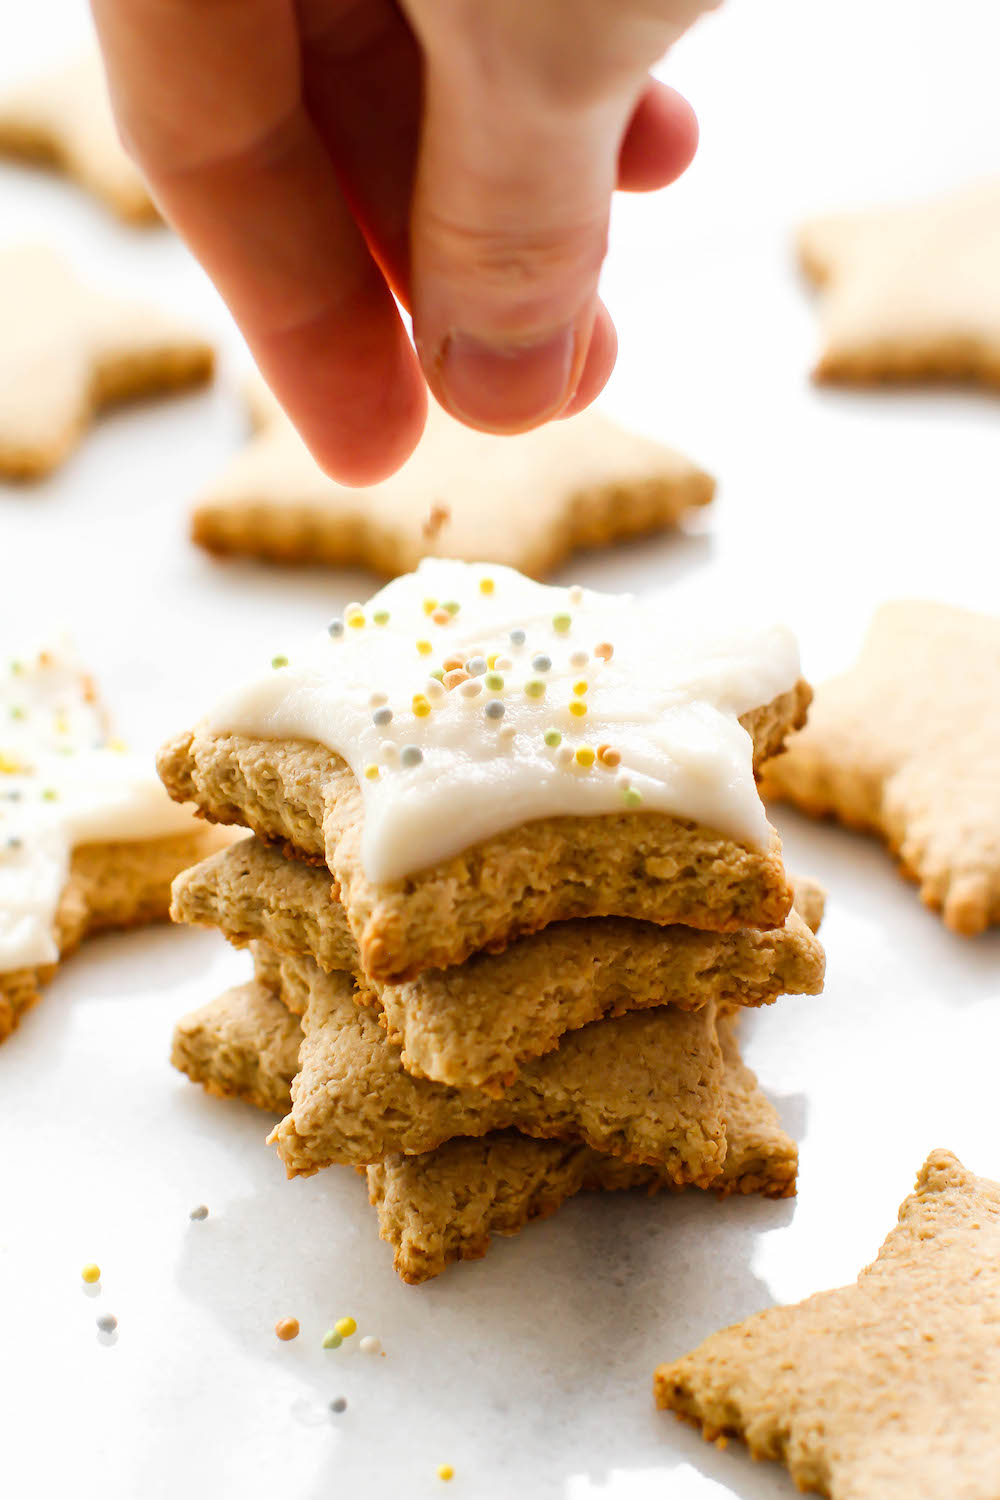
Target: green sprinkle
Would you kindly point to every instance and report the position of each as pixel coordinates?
(16, 668)
(279, 661)
(50, 794)
(381, 617)
(17, 712)
(562, 623)
(438, 674)
(493, 681)
(553, 737)
(332, 1339)
(631, 797)
(535, 687)
(452, 606)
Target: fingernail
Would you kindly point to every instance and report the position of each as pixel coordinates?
(506, 386)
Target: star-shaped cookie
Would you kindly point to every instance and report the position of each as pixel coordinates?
(907, 743)
(886, 1390)
(67, 352)
(88, 838)
(526, 501)
(910, 293)
(63, 119)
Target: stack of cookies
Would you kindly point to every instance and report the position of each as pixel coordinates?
(509, 884)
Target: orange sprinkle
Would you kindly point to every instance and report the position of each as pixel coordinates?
(609, 756)
(441, 617)
(453, 678)
(605, 651)
(287, 1328)
(452, 663)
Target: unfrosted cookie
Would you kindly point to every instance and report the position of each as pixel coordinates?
(527, 501)
(444, 1206)
(908, 743)
(879, 1391)
(912, 292)
(64, 120)
(645, 1086)
(475, 1024)
(243, 1045)
(69, 352)
(88, 841)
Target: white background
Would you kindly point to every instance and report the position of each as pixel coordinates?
(530, 1371)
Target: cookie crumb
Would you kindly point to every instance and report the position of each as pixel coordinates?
(199, 1212)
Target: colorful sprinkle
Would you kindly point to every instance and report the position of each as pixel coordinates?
(494, 709)
(409, 756)
(355, 618)
(561, 623)
(335, 629)
(445, 1471)
(486, 585)
(605, 651)
(91, 1272)
(541, 664)
(345, 1327)
(455, 678)
(452, 606)
(382, 716)
(609, 756)
(441, 617)
(430, 605)
(517, 637)
(535, 687)
(49, 794)
(438, 674)
(381, 617)
(287, 1328)
(453, 663)
(631, 797)
(425, 648)
(370, 1345)
(371, 773)
(338, 1404)
(107, 1323)
(578, 708)
(279, 661)
(476, 666)
(552, 737)
(471, 687)
(420, 705)
(493, 682)
(332, 1340)
(579, 658)
(199, 1212)
(575, 594)
(580, 687)
(18, 713)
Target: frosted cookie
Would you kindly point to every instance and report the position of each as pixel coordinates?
(475, 755)
(68, 353)
(885, 1389)
(645, 1086)
(474, 1025)
(907, 743)
(244, 1045)
(526, 501)
(444, 1206)
(88, 841)
(912, 292)
(64, 120)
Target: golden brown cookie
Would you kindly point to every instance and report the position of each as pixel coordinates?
(910, 293)
(243, 1045)
(882, 1390)
(527, 501)
(907, 743)
(63, 120)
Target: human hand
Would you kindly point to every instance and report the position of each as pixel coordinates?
(315, 154)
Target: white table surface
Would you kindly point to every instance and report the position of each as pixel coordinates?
(529, 1371)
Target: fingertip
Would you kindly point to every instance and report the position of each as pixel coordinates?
(660, 142)
(598, 365)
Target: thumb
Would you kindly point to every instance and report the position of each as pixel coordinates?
(509, 229)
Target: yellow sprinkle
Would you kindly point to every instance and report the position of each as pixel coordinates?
(91, 1273)
(371, 772)
(421, 706)
(8, 766)
(345, 1327)
(578, 708)
(486, 586)
(580, 687)
(492, 659)
(356, 621)
(430, 605)
(425, 648)
(118, 746)
(62, 724)
(445, 1471)
(584, 755)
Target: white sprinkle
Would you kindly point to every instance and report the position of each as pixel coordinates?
(377, 699)
(370, 1344)
(507, 733)
(624, 780)
(576, 594)
(564, 755)
(579, 659)
(503, 664)
(435, 690)
(107, 1322)
(471, 688)
(388, 752)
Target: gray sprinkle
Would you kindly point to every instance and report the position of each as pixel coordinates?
(542, 664)
(382, 716)
(107, 1322)
(411, 755)
(335, 628)
(201, 1212)
(476, 666)
(494, 709)
(338, 1404)
(517, 637)
(14, 842)
(15, 795)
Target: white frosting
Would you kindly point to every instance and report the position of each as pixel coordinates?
(667, 702)
(62, 783)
